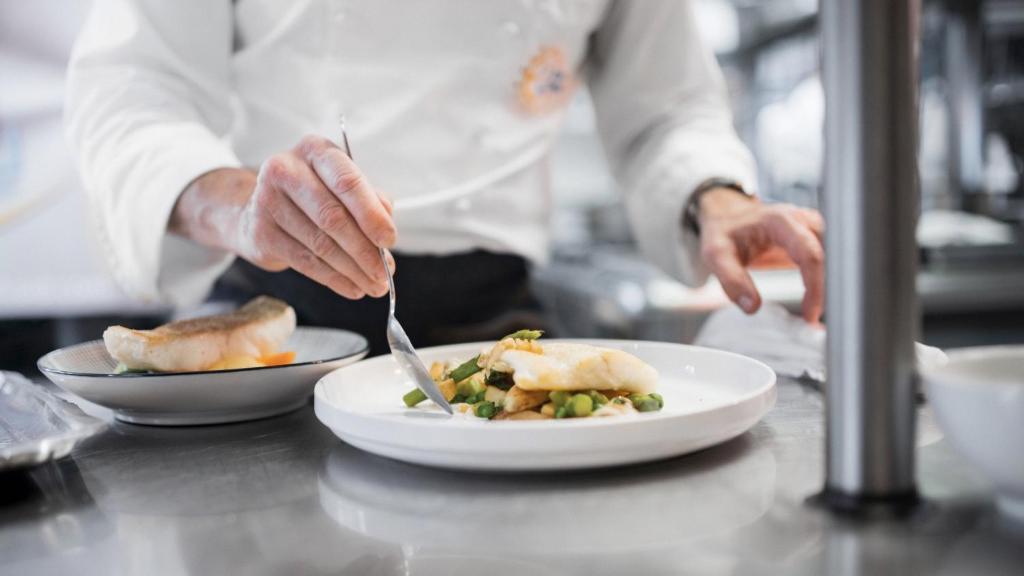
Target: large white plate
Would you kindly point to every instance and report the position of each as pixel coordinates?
(191, 398)
(710, 397)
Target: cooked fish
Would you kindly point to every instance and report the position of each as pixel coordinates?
(571, 366)
(257, 329)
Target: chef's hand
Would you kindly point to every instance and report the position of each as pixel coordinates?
(310, 209)
(737, 230)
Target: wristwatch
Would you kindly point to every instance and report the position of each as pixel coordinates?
(691, 215)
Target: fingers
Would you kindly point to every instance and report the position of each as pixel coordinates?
(799, 235)
(721, 256)
(344, 179)
(326, 213)
(314, 239)
(309, 264)
(273, 249)
(813, 220)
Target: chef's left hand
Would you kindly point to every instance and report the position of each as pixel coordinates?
(737, 230)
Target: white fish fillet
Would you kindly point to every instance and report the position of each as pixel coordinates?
(257, 329)
(570, 366)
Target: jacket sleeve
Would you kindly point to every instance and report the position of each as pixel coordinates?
(663, 117)
(146, 113)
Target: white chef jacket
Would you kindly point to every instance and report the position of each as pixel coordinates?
(161, 92)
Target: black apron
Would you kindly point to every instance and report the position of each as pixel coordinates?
(441, 299)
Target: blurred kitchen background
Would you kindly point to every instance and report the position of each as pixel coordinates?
(54, 289)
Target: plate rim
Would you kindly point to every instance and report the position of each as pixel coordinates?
(319, 395)
(362, 351)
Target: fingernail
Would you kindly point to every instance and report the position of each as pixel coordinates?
(747, 303)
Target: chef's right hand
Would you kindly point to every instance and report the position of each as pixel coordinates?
(313, 210)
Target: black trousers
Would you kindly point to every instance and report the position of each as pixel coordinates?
(441, 299)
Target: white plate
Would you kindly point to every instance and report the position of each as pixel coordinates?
(710, 397)
(191, 398)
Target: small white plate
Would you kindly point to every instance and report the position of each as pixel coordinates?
(212, 397)
(710, 397)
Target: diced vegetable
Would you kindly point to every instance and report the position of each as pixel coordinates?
(470, 387)
(235, 363)
(496, 395)
(447, 388)
(279, 359)
(414, 397)
(580, 405)
(645, 403)
(526, 415)
(437, 371)
(485, 410)
(525, 335)
(465, 370)
(559, 397)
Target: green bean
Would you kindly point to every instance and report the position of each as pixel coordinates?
(525, 335)
(414, 397)
(465, 370)
(485, 410)
(581, 405)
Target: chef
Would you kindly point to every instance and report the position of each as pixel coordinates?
(207, 134)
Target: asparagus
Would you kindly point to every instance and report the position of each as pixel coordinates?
(414, 397)
(465, 370)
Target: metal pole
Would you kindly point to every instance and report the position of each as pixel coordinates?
(871, 206)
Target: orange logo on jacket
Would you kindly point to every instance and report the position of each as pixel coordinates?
(547, 82)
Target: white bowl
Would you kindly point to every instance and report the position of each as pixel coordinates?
(978, 396)
(211, 397)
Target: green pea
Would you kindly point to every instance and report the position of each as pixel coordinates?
(561, 412)
(647, 404)
(597, 397)
(559, 398)
(581, 405)
(656, 396)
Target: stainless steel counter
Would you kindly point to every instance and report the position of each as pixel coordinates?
(284, 496)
